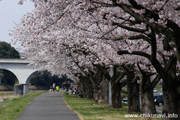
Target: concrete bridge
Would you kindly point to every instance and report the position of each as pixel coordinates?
(20, 68)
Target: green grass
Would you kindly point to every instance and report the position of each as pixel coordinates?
(11, 109)
(6, 93)
(88, 110)
(159, 87)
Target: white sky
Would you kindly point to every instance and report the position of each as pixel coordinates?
(10, 12)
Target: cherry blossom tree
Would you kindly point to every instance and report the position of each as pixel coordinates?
(41, 30)
(63, 33)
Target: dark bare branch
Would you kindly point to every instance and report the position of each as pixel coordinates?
(143, 54)
(156, 80)
(119, 77)
(129, 28)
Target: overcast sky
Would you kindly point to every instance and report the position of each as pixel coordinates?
(10, 12)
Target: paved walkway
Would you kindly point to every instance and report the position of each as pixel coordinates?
(48, 106)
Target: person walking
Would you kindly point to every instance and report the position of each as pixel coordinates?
(54, 86)
(57, 88)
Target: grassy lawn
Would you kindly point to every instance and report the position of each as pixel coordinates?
(88, 110)
(11, 109)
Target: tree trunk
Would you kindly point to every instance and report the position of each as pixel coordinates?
(133, 97)
(106, 91)
(133, 93)
(116, 96)
(178, 96)
(96, 95)
(147, 100)
(170, 96)
(80, 88)
(170, 93)
(89, 93)
(101, 94)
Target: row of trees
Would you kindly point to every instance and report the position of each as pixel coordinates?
(82, 39)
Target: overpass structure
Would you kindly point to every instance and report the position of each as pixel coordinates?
(21, 69)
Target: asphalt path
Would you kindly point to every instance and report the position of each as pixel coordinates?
(48, 106)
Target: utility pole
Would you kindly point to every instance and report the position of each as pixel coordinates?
(111, 72)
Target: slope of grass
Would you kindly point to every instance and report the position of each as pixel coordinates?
(88, 110)
(11, 109)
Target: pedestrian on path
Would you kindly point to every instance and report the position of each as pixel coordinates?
(54, 86)
(57, 88)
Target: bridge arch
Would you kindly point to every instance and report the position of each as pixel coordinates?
(20, 69)
(31, 76)
(11, 80)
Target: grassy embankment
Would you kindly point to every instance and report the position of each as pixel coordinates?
(89, 110)
(11, 109)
